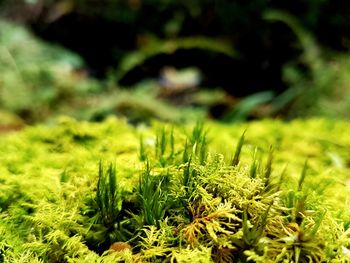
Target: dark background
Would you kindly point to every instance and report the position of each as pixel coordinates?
(261, 58)
(103, 31)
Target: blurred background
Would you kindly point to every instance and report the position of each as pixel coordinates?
(174, 60)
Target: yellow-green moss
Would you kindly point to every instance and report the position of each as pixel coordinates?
(48, 178)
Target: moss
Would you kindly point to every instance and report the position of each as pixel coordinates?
(209, 207)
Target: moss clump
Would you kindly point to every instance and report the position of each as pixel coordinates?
(178, 193)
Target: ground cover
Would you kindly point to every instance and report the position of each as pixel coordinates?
(266, 191)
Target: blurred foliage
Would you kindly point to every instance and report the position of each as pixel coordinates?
(247, 105)
(39, 81)
(36, 77)
(318, 80)
(180, 17)
(155, 47)
(274, 53)
(114, 28)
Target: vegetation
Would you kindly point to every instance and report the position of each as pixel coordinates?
(40, 81)
(153, 161)
(180, 192)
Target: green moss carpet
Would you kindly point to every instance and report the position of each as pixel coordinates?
(266, 191)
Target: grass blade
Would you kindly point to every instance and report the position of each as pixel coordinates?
(240, 144)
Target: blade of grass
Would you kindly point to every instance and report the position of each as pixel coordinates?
(239, 146)
(302, 176)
